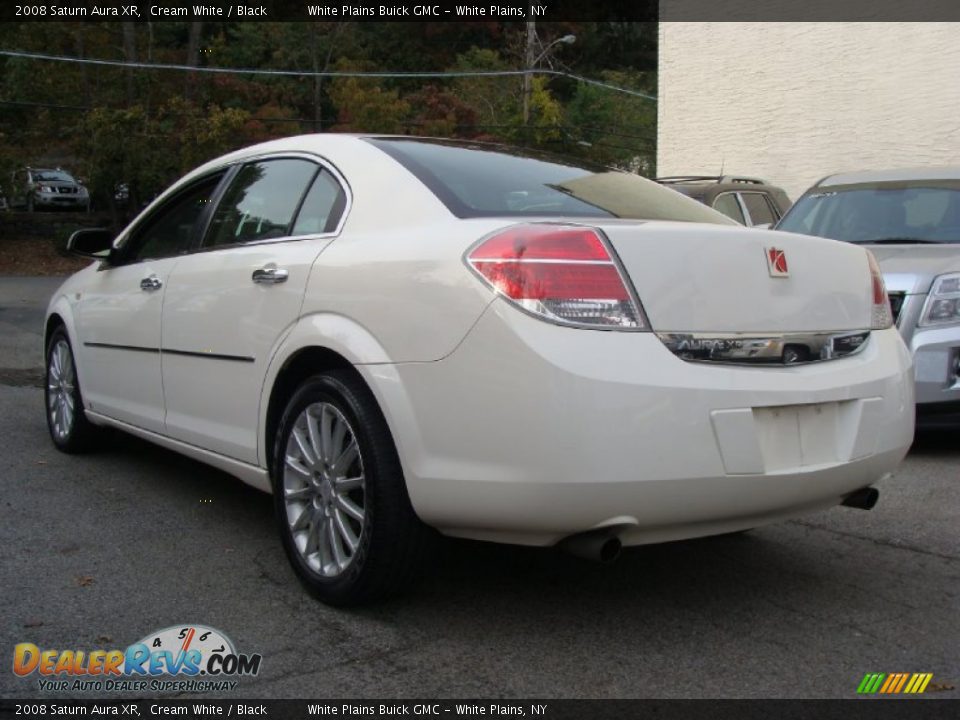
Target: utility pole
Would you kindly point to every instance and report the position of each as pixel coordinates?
(528, 61)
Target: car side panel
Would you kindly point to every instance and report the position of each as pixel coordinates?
(119, 342)
(218, 330)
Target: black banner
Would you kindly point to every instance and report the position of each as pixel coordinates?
(479, 10)
(859, 709)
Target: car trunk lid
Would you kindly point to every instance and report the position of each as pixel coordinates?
(703, 278)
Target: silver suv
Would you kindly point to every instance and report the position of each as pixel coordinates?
(48, 188)
(910, 220)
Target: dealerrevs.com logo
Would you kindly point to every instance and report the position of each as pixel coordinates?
(180, 658)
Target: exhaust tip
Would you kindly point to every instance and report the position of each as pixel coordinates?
(864, 498)
(610, 550)
(596, 545)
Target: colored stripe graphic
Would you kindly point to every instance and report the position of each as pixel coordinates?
(871, 683)
(894, 683)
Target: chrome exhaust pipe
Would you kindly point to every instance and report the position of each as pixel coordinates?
(597, 545)
(864, 498)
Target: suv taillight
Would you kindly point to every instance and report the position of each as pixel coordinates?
(882, 316)
(562, 273)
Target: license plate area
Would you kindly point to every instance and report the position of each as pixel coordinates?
(795, 436)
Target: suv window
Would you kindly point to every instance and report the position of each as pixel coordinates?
(728, 205)
(322, 208)
(260, 202)
(52, 176)
(171, 228)
(759, 208)
(910, 211)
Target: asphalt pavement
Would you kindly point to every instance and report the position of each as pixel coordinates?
(96, 551)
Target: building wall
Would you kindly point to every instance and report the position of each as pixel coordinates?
(792, 102)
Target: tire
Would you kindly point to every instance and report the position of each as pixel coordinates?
(340, 497)
(69, 428)
(29, 203)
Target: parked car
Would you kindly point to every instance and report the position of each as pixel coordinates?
(910, 220)
(45, 189)
(395, 334)
(749, 201)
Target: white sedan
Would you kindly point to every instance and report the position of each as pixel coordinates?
(401, 335)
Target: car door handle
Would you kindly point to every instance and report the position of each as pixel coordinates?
(270, 275)
(151, 283)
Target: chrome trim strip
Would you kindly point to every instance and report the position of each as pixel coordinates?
(763, 348)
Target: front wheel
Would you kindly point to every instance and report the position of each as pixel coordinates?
(69, 428)
(340, 497)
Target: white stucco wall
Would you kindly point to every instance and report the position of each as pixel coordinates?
(792, 102)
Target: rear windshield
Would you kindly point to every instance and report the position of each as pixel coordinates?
(475, 180)
(902, 212)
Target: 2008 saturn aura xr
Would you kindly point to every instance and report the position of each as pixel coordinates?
(398, 334)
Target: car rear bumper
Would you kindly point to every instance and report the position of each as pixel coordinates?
(530, 432)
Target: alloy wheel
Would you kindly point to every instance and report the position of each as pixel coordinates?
(61, 387)
(323, 489)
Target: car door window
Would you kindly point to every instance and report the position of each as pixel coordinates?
(728, 205)
(322, 208)
(758, 208)
(260, 202)
(171, 229)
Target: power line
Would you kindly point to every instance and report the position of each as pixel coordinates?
(329, 73)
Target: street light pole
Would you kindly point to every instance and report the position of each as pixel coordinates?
(530, 63)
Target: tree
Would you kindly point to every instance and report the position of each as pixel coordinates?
(441, 113)
(364, 106)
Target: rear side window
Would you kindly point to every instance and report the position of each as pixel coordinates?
(475, 180)
(322, 207)
(728, 205)
(260, 202)
(759, 208)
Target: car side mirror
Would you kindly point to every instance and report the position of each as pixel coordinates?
(93, 243)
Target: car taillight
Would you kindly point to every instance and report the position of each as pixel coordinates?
(563, 273)
(882, 316)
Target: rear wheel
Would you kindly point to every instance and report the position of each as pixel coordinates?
(345, 518)
(69, 428)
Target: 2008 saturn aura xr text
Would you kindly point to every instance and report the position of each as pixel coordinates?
(397, 336)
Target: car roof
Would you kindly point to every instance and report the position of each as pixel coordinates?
(896, 175)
